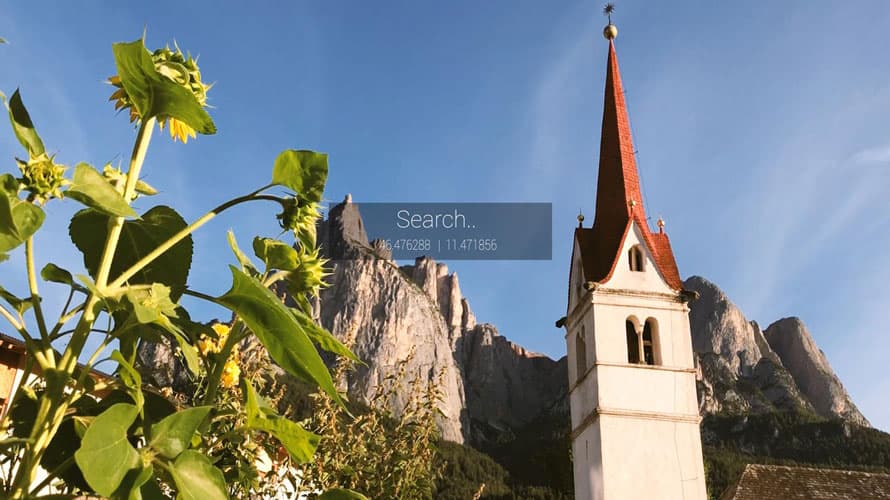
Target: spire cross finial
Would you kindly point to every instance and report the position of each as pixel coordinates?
(610, 31)
(608, 10)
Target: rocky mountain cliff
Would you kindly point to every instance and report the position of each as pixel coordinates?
(745, 369)
(491, 385)
(417, 312)
(493, 388)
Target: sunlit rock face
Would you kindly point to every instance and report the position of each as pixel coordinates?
(739, 372)
(791, 340)
(744, 369)
(418, 312)
(392, 320)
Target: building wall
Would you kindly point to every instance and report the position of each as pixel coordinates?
(650, 459)
(588, 464)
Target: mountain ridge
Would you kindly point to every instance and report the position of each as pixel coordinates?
(494, 385)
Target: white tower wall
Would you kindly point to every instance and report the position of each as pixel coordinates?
(635, 427)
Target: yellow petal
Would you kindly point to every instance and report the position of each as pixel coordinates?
(221, 329)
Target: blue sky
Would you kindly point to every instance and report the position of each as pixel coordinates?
(762, 134)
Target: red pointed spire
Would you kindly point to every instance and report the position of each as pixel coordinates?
(618, 192)
(619, 200)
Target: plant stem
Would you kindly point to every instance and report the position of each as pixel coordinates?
(67, 303)
(46, 348)
(117, 224)
(65, 319)
(176, 238)
(12, 319)
(82, 331)
(200, 295)
(88, 366)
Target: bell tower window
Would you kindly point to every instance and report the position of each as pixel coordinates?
(633, 342)
(635, 258)
(580, 355)
(650, 345)
(642, 343)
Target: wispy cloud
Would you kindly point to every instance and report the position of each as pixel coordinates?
(553, 105)
(810, 193)
(872, 155)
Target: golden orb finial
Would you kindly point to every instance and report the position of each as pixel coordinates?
(580, 218)
(610, 31)
(660, 224)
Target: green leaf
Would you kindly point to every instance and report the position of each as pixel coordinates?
(305, 172)
(19, 219)
(20, 305)
(89, 229)
(150, 491)
(153, 94)
(341, 494)
(7, 223)
(276, 254)
(81, 424)
(153, 306)
(145, 188)
(278, 330)
(299, 442)
(62, 447)
(132, 485)
(23, 126)
(197, 479)
(27, 218)
(130, 377)
(299, 298)
(246, 265)
(172, 435)
(56, 274)
(188, 352)
(105, 455)
(322, 336)
(92, 189)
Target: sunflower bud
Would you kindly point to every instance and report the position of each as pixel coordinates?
(301, 218)
(42, 177)
(182, 70)
(309, 276)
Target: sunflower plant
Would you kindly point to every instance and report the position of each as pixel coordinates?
(70, 431)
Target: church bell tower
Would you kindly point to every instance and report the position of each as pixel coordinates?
(635, 419)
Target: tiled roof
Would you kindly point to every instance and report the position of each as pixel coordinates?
(618, 197)
(768, 482)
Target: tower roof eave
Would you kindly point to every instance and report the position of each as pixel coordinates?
(600, 255)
